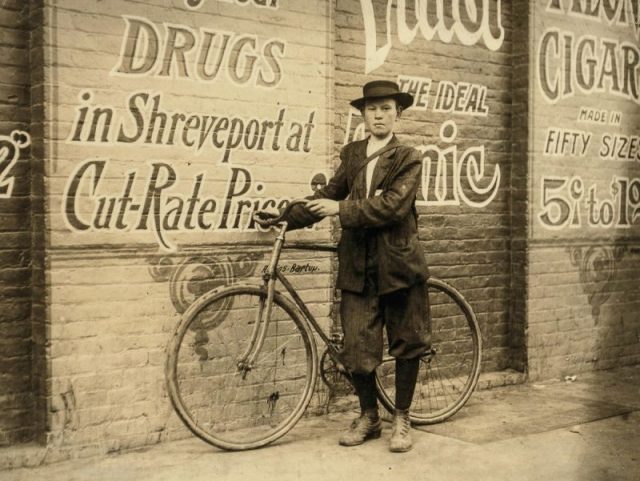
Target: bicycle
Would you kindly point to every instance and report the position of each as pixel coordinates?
(243, 362)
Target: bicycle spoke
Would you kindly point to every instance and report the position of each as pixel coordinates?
(425, 382)
(432, 394)
(441, 381)
(274, 353)
(449, 373)
(233, 407)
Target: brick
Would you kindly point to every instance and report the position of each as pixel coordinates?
(16, 423)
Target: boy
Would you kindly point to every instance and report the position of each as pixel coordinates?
(382, 269)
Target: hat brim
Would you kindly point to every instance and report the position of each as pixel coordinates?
(404, 99)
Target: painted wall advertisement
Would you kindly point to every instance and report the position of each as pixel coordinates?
(178, 123)
(454, 172)
(587, 88)
(12, 148)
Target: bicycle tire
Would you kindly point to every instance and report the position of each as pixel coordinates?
(449, 373)
(206, 387)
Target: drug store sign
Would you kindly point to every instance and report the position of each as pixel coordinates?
(191, 138)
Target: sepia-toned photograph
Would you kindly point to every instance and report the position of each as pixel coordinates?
(298, 240)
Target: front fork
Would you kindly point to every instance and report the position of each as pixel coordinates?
(259, 331)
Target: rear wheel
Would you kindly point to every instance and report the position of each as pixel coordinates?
(222, 403)
(449, 373)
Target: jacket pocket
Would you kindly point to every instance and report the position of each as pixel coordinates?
(396, 236)
(401, 264)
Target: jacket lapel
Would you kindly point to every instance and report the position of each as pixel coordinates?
(382, 167)
(357, 177)
(359, 156)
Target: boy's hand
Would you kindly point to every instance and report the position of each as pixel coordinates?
(323, 207)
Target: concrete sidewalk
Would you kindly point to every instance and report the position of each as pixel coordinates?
(584, 430)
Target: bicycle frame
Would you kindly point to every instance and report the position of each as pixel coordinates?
(448, 395)
(270, 277)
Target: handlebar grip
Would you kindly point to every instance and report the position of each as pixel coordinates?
(282, 216)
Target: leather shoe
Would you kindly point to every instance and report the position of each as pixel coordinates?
(363, 428)
(401, 435)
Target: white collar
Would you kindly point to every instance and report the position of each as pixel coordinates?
(373, 141)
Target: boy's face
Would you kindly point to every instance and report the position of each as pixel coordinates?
(380, 116)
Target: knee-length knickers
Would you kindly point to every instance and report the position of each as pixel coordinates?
(404, 312)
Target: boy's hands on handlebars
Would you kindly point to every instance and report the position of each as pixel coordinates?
(319, 207)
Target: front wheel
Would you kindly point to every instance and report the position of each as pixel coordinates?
(449, 373)
(223, 403)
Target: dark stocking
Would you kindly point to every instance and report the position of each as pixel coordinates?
(406, 375)
(365, 385)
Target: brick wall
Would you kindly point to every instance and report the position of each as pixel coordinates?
(16, 401)
(519, 181)
(40, 151)
(123, 117)
(584, 294)
(465, 234)
(584, 303)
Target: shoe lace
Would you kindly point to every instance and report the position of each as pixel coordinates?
(401, 425)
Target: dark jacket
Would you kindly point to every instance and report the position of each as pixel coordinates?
(390, 217)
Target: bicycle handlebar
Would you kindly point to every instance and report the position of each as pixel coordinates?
(260, 216)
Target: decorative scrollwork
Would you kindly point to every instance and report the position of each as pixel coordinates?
(598, 267)
(161, 268)
(245, 264)
(196, 275)
(191, 276)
